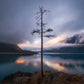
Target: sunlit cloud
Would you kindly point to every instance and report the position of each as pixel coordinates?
(21, 45)
(56, 42)
(48, 43)
(28, 45)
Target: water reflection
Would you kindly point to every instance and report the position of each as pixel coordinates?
(19, 61)
(55, 66)
(28, 60)
(54, 63)
(70, 63)
(35, 62)
(8, 58)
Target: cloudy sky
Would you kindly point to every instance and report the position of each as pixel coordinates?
(17, 20)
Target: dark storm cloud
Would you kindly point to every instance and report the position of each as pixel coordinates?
(76, 39)
(67, 16)
(75, 8)
(17, 17)
(15, 20)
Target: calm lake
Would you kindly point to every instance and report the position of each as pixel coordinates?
(69, 63)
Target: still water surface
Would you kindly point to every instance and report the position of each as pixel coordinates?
(69, 63)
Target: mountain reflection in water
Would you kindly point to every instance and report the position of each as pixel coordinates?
(69, 63)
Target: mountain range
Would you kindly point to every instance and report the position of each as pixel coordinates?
(67, 49)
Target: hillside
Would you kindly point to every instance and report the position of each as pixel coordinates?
(67, 49)
(12, 48)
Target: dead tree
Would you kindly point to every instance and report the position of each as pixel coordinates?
(42, 32)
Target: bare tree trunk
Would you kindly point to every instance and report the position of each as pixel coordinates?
(42, 42)
(41, 12)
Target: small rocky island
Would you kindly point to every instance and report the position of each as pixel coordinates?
(49, 78)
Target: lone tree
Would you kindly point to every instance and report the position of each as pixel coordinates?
(42, 32)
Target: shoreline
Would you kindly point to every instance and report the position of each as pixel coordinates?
(8, 53)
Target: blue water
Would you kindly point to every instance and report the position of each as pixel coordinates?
(69, 63)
